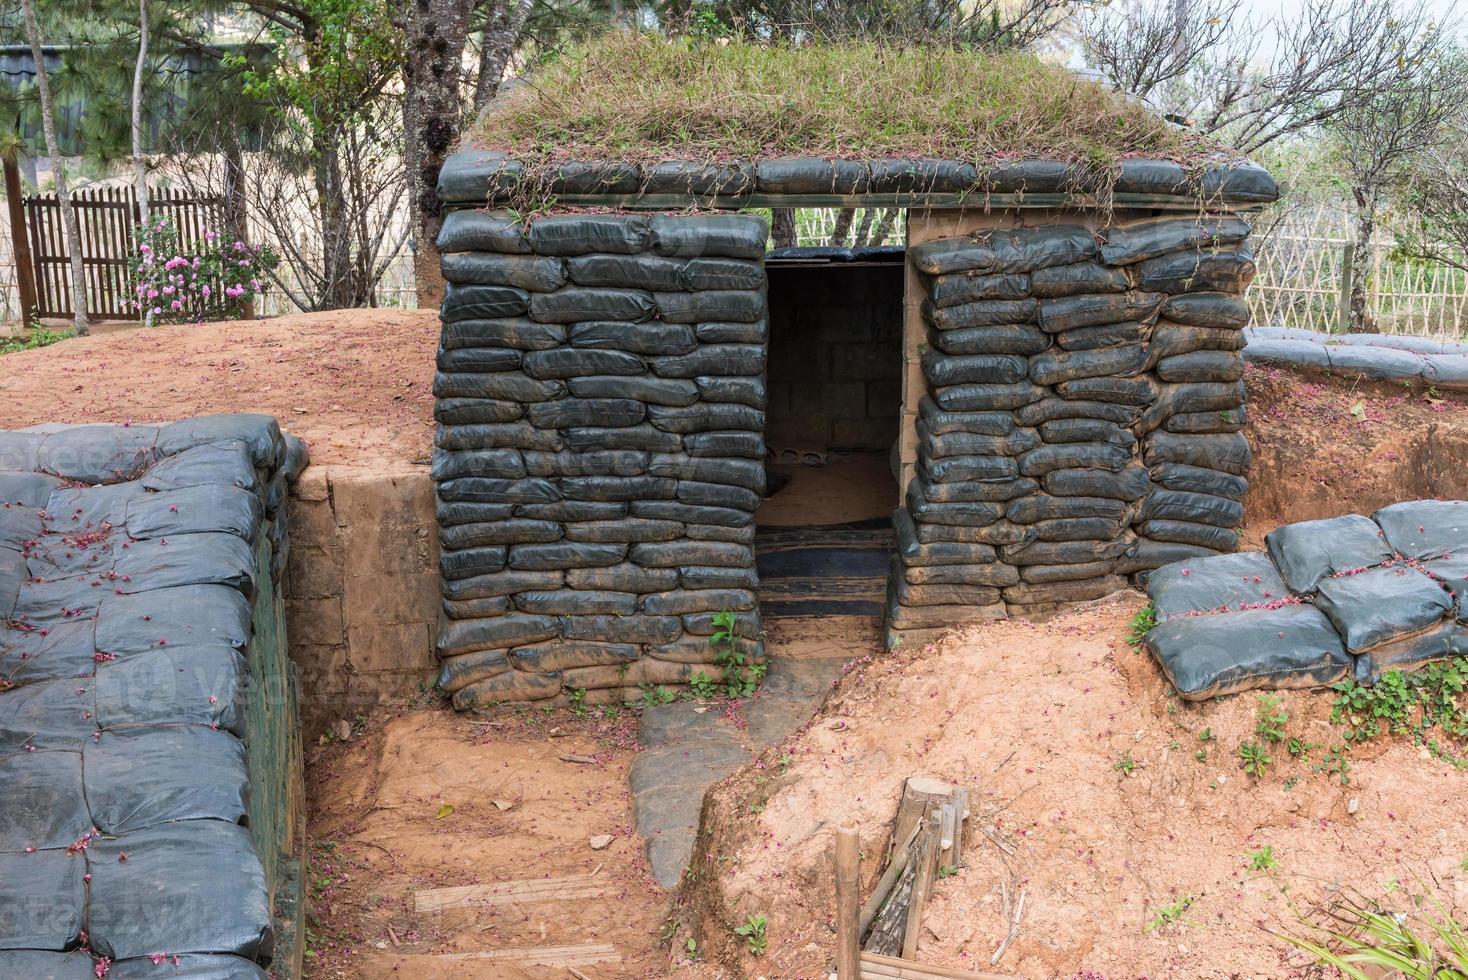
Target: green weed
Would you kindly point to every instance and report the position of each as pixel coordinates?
(1144, 620)
(1126, 765)
(741, 677)
(703, 686)
(753, 932)
(1410, 704)
(1170, 914)
(1256, 758)
(40, 337)
(1272, 717)
(1263, 859)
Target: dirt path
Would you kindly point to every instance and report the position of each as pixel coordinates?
(422, 798)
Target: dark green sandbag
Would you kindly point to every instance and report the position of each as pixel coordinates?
(995, 369)
(1131, 483)
(1228, 420)
(1148, 238)
(1079, 277)
(1227, 452)
(579, 362)
(715, 273)
(478, 359)
(699, 179)
(1067, 408)
(651, 337)
(518, 333)
(981, 313)
(461, 302)
(971, 469)
(937, 421)
(1086, 430)
(504, 435)
(581, 234)
(1221, 270)
(1042, 507)
(650, 272)
(740, 236)
(576, 303)
(1198, 479)
(480, 231)
(503, 464)
(968, 287)
(1120, 391)
(957, 442)
(1074, 455)
(472, 411)
(1172, 339)
(675, 392)
(731, 305)
(1054, 367)
(1092, 309)
(1201, 366)
(510, 386)
(1199, 309)
(1188, 532)
(987, 397)
(1000, 338)
(1127, 332)
(810, 175)
(533, 272)
(1199, 508)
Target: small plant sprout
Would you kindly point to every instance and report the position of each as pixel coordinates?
(703, 686)
(753, 932)
(1272, 718)
(1255, 757)
(1263, 859)
(1126, 765)
(741, 677)
(1144, 620)
(1170, 914)
(947, 870)
(1206, 735)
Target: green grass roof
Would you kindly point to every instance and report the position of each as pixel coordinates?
(630, 96)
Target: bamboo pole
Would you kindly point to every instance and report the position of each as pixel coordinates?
(848, 898)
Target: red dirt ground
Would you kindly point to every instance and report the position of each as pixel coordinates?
(355, 384)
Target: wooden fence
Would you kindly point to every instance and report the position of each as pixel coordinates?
(107, 217)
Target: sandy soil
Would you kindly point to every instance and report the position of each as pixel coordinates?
(410, 804)
(355, 384)
(1035, 720)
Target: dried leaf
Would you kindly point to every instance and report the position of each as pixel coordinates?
(444, 811)
(1359, 409)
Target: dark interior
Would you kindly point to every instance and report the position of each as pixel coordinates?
(833, 412)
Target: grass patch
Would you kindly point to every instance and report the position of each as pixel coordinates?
(635, 97)
(1144, 620)
(40, 337)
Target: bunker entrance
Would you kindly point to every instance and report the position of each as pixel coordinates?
(824, 537)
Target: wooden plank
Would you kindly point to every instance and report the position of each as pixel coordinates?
(25, 272)
(521, 891)
(578, 954)
(848, 897)
(877, 965)
(922, 881)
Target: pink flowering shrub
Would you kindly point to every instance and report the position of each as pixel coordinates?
(211, 280)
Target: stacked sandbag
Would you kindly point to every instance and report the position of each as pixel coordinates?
(1345, 597)
(1082, 415)
(147, 713)
(600, 450)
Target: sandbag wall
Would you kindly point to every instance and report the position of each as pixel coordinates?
(150, 773)
(1342, 598)
(1081, 416)
(600, 452)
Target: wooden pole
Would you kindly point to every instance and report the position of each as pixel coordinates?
(922, 883)
(25, 272)
(848, 899)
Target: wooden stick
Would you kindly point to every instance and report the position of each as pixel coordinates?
(848, 897)
(894, 870)
(1019, 910)
(947, 833)
(922, 882)
(877, 965)
(958, 831)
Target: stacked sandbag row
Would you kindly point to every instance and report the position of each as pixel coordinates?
(146, 706)
(1330, 600)
(1081, 416)
(600, 450)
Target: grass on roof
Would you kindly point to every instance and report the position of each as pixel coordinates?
(632, 96)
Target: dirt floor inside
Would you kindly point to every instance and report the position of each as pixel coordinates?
(1089, 799)
(841, 489)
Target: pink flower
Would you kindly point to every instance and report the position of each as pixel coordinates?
(205, 291)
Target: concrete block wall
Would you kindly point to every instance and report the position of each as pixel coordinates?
(835, 357)
(363, 592)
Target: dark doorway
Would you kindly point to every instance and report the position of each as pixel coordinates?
(824, 535)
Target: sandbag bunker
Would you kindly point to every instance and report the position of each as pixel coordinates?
(150, 769)
(1069, 415)
(1331, 600)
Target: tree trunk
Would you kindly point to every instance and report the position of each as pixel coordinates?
(140, 168)
(864, 228)
(63, 195)
(336, 290)
(884, 227)
(782, 227)
(1365, 229)
(502, 30)
(844, 218)
(433, 115)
